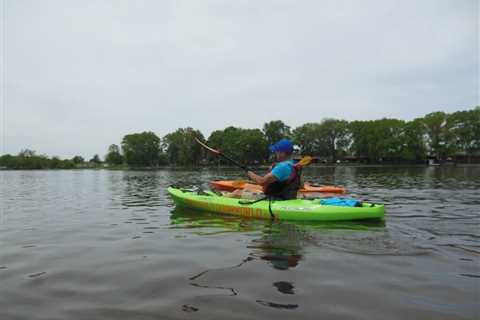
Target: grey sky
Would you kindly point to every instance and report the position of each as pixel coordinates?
(78, 75)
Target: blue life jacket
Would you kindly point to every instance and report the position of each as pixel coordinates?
(285, 190)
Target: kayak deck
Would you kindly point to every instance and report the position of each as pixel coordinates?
(292, 210)
(232, 185)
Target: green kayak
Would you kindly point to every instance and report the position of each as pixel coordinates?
(299, 209)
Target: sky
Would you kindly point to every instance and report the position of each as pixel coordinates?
(79, 75)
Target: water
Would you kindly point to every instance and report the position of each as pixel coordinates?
(109, 245)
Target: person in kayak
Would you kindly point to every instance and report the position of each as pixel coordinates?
(283, 179)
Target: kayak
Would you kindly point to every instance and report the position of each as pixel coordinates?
(232, 185)
(293, 210)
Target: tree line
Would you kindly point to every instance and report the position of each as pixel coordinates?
(29, 159)
(437, 135)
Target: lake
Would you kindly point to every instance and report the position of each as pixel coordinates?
(100, 244)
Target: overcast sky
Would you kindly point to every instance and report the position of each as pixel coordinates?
(79, 75)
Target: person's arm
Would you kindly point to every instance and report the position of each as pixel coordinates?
(265, 180)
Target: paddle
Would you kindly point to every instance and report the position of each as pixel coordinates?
(303, 162)
(221, 154)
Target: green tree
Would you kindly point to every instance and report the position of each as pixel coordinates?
(28, 159)
(438, 133)
(254, 146)
(114, 157)
(67, 164)
(333, 136)
(414, 148)
(227, 141)
(181, 148)
(162, 159)
(307, 138)
(377, 140)
(360, 136)
(391, 132)
(276, 130)
(465, 127)
(7, 161)
(96, 159)
(78, 160)
(141, 149)
(27, 153)
(439, 137)
(55, 163)
(245, 145)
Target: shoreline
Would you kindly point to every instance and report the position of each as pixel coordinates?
(213, 167)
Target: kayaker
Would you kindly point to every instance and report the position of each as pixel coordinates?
(283, 179)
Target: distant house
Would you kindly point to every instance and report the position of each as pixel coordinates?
(463, 157)
(458, 157)
(355, 159)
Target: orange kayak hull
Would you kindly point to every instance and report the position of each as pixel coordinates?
(232, 185)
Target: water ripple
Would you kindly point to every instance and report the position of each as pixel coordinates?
(90, 244)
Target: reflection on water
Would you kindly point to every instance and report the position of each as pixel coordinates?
(89, 244)
(277, 305)
(281, 243)
(278, 243)
(284, 287)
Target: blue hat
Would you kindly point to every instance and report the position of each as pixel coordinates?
(283, 145)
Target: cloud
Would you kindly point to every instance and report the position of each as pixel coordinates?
(80, 75)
